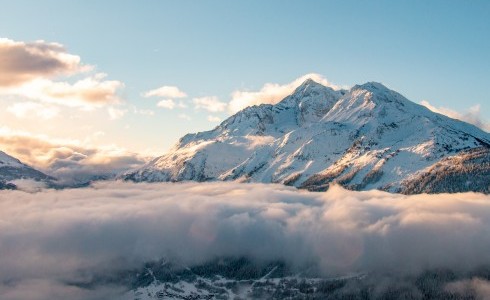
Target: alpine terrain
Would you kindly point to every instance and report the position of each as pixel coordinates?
(368, 137)
(13, 169)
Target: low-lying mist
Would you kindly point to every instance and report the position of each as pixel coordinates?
(51, 237)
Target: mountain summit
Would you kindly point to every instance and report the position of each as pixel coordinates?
(368, 137)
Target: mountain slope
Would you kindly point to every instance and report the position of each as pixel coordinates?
(13, 169)
(369, 137)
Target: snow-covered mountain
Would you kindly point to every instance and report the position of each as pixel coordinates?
(13, 169)
(368, 137)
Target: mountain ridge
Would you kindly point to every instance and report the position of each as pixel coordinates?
(12, 169)
(368, 137)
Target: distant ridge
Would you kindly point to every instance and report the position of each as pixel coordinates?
(13, 169)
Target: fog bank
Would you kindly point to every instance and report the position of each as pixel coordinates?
(51, 237)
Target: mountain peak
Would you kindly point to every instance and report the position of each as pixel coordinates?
(309, 80)
(369, 137)
(308, 84)
(309, 88)
(371, 86)
(311, 101)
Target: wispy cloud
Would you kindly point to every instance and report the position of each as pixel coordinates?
(272, 93)
(211, 104)
(145, 112)
(166, 91)
(182, 104)
(116, 113)
(166, 103)
(185, 117)
(28, 109)
(472, 115)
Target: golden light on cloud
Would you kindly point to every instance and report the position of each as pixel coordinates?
(92, 91)
(28, 68)
(69, 160)
(26, 61)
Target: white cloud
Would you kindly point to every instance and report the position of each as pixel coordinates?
(211, 104)
(214, 119)
(272, 93)
(28, 109)
(53, 238)
(116, 113)
(166, 103)
(184, 117)
(166, 92)
(472, 115)
(145, 112)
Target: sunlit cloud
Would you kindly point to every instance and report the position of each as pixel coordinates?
(28, 109)
(272, 93)
(166, 103)
(89, 92)
(211, 104)
(26, 61)
(69, 160)
(116, 113)
(472, 115)
(41, 71)
(166, 92)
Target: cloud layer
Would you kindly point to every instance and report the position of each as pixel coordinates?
(52, 237)
(70, 161)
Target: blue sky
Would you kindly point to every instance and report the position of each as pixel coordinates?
(438, 51)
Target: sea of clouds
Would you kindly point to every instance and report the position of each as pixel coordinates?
(49, 238)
